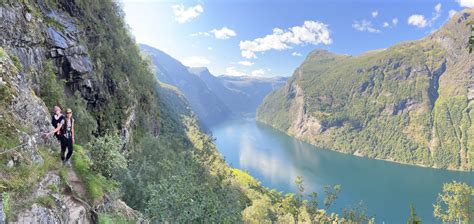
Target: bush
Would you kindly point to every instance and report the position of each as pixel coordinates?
(6, 205)
(105, 155)
(85, 124)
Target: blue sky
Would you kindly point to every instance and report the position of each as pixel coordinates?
(272, 38)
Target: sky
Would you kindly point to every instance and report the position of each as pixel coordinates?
(272, 38)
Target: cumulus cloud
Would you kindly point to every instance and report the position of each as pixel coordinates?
(385, 24)
(223, 33)
(466, 3)
(258, 72)
(196, 61)
(246, 63)
(375, 13)
(311, 32)
(182, 14)
(417, 20)
(420, 21)
(296, 54)
(365, 25)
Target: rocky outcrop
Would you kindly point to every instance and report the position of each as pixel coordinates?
(304, 125)
(63, 208)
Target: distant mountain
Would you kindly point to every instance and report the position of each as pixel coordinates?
(411, 103)
(242, 94)
(209, 108)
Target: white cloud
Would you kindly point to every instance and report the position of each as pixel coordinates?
(420, 21)
(258, 72)
(183, 14)
(452, 12)
(209, 48)
(196, 61)
(466, 3)
(223, 33)
(417, 20)
(296, 54)
(375, 13)
(246, 63)
(438, 7)
(436, 14)
(385, 24)
(311, 32)
(234, 72)
(365, 25)
(200, 34)
(395, 21)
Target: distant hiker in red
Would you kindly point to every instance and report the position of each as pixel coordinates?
(64, 131)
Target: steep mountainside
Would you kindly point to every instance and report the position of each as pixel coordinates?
(240, 94)
(142, 143)
(208, 107)
(411, 103)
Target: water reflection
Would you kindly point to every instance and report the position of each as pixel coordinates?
(387, 189)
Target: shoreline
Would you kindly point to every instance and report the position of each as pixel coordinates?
(358, 154)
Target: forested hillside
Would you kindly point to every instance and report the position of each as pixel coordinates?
(140, 154)
(411, 103)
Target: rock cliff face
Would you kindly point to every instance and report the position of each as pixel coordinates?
(51, 40)
(410, 103)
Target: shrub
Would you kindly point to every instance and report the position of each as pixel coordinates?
(85, 124)
(105, 155)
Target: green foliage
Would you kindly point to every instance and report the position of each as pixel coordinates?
(6, 205)
(113, 219)
(106, 157)
(413, 219)
(52, 89)
(47, 201)
(96, 184)
(118, 62)
(331, 194)
(16, 62)
(378, 106)
(85, 124)
(455, 203)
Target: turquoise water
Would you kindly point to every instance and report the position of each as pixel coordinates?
(386, 189)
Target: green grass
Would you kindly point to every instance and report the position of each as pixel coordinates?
(113, 219)
(96, 184)
(47, 201)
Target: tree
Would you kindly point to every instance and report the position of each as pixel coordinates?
(331, 194)
(413, 219)
(105, 155)
(455, 204)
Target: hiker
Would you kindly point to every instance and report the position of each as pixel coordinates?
(57, 119)
(66, 136)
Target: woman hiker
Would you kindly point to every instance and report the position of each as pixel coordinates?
(65, 128)
(56, 119)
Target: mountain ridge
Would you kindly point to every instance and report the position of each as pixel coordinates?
(356, 104)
